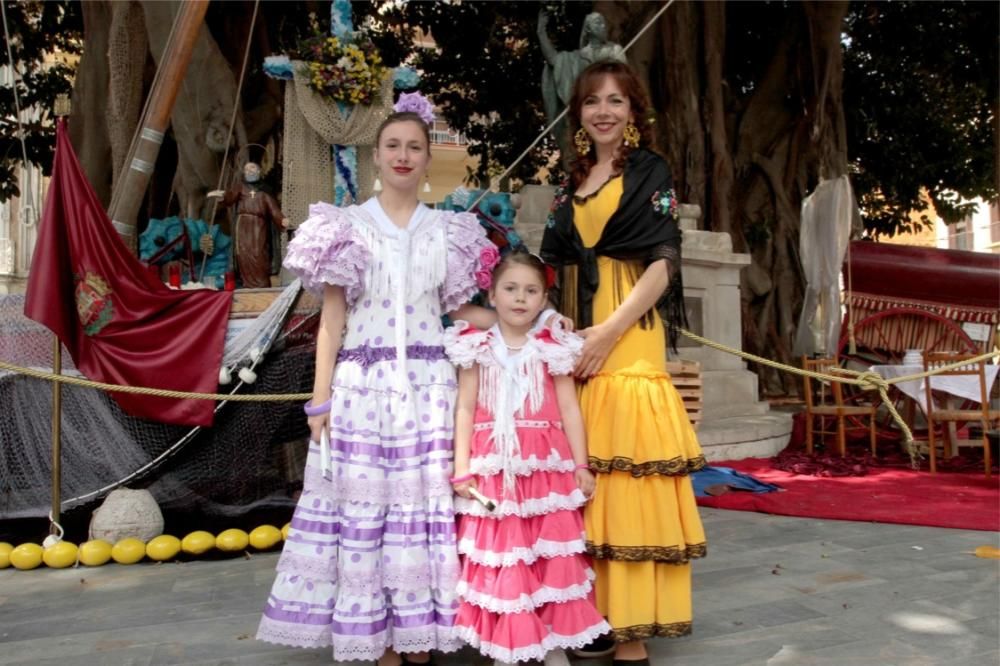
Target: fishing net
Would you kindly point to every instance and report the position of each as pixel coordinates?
(249, 462)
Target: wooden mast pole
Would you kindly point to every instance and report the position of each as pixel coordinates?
(154, 124)
(61, 110)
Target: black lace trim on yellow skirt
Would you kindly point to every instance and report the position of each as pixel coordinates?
(668, 554)
(674, 467)
(640, 632)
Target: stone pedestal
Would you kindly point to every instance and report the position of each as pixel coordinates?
(531, 217)
(737, 424)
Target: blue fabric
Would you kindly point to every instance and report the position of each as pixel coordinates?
(726, 476)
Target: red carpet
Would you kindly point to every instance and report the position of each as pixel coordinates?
(962, 500)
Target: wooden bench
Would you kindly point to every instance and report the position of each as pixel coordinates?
(686, 378)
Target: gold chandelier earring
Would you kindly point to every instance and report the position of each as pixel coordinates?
(582, 141)
(631, 135)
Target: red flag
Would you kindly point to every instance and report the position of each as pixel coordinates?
(120, 324)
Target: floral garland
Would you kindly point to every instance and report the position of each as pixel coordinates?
(344, 70)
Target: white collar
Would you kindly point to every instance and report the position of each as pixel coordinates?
(388, 227)
(503, 354)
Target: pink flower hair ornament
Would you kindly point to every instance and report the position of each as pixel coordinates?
(489, 257)
(415, 103)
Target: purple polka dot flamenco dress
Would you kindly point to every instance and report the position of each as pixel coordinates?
(370, 561)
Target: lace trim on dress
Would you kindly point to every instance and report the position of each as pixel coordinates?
(381, 491)
(417, 639)
(492, 464)
(525, 509)
(667, 554)
(327, 249)
(466, 239)
(466, 345)
(641, 632)
(281, 633)
(532, 652)
(674, 467)
(526, 602)
(442, 579)
(541, 549)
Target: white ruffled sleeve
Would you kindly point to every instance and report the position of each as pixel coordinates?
(465, 345)
(466, 242)
(326, 250)
(559, 349)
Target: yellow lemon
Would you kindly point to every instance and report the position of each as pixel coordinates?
(128, 551)
(95, 553)
(232, 540)
(60, 555)
(5, 549)
(26, 556)
(198, 542)
(162, 548)
(265, 537)
(284, 531)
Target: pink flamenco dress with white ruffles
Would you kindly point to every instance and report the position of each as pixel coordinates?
(526, 586)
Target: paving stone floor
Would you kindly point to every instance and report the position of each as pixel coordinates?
(773, 591)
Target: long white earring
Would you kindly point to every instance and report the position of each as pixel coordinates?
(377, 185)
(427, 184)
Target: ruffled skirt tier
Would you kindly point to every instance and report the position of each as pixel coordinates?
(526, 585)
(642, 525)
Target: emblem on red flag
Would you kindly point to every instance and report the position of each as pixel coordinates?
(93, 302)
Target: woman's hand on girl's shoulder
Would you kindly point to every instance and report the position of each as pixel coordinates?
(585, 481)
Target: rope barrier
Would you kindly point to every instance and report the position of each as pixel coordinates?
(155, 392)
(865, 380)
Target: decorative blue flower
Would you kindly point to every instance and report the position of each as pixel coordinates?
(665, 203)
(278, 67)
(405, 78)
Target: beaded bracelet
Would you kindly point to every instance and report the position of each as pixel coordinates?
(316, 410)
(460, 479)
(582, 466)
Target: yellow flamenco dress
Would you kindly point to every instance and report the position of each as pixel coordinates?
(642, 525)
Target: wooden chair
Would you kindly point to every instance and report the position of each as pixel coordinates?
(948, 415)
(825, 405)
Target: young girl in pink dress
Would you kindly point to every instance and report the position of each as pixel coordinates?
(525, 590)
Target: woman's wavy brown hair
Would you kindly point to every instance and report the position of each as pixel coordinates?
(588, 81)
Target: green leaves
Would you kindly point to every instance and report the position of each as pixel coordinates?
(45, 38)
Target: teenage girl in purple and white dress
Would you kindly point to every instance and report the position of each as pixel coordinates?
(370, 564)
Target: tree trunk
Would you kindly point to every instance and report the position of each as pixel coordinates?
(88, 128)
(748, 160)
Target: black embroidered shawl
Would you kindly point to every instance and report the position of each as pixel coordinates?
(640, 229)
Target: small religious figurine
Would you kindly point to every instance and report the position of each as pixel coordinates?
(256, 210)
(562, 67)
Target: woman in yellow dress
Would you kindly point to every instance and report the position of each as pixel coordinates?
(613, 234)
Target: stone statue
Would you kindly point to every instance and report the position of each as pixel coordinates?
(256, 211)
(562, 67)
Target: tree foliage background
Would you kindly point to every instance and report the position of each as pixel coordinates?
(39, 31)
(756, 102)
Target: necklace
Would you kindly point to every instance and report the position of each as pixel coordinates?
(513, 348)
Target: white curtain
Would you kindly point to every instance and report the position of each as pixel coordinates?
(827, 214)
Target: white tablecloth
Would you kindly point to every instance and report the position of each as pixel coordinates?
(963, 386)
